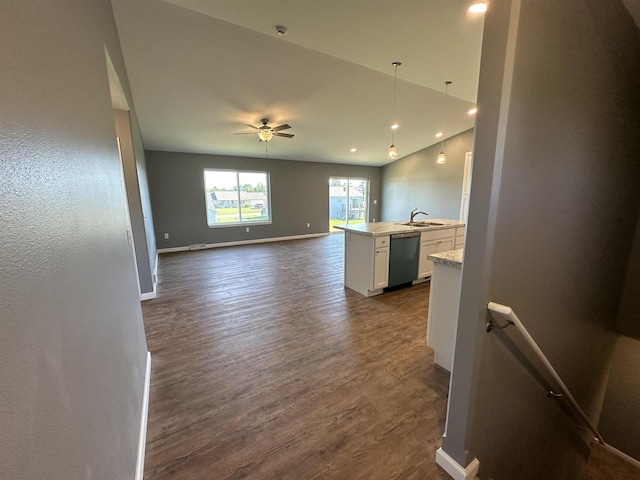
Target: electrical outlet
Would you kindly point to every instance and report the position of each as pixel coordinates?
(308, 225)
(374, 219)
(375, 202)
(247, 229)
(166, 236)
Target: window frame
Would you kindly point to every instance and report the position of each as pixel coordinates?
(239, 223)
(367, 198)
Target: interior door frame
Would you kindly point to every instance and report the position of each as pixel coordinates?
(130, 239)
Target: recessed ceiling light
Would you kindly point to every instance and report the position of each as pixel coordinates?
(438, 135)
(354, 150)
(478, 7)
(394, 126)
(472, 111)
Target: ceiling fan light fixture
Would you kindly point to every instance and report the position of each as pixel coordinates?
(265, 135)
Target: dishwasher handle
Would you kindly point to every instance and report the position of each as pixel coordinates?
(405, 235)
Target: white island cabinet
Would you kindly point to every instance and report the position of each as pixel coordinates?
(366, 267)
(381, 263)
(367, 249)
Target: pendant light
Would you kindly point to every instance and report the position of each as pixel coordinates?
(392, 154)
(442, 158)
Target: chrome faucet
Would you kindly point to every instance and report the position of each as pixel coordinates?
(414, 212)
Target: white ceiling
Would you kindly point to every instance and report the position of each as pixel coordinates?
(199, 69)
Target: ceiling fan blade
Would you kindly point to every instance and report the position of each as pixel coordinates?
(284, 126)
(247, 133)
(286, 135)
(252, 126)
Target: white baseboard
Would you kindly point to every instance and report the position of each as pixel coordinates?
(142, 437)
(148, 295)
(454, 469)
(154, 277)
(244, 242)
(155, 271)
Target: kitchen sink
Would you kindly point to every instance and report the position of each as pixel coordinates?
(422, 223)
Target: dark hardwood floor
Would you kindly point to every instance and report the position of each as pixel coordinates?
(265, 366)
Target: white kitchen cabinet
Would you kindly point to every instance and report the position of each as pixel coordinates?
(381, 268)
(459, 241)
(425, 265)
(435, 241)
(366, 267)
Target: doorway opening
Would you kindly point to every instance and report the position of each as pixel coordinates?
(348, 201)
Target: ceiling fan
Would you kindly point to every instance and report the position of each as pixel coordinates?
(266, 133)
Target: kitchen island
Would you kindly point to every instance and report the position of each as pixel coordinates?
(444, 302)
(370, 246)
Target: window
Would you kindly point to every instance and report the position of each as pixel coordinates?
(234, 197)
(348, 200)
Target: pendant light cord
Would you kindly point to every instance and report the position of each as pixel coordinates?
(395, 83)
(444, 109)
(392, 154)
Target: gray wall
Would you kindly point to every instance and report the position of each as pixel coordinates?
(299, 194)
(629, 315)
(416, 181)
(554, 206)
(72, 347)
(620, 421)
(134, 166)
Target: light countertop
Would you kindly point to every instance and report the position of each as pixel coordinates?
(452, 258)
(378, 229)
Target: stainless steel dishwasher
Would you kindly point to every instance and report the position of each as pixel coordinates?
(403, 258)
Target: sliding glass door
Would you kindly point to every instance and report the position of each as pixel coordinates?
(348, 201)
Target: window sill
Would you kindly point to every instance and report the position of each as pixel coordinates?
(240, 224)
